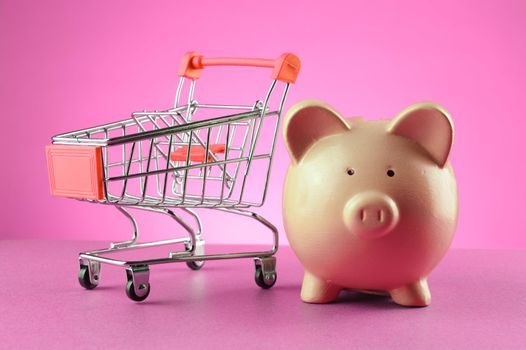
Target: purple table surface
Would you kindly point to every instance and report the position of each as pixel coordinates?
(479, 302)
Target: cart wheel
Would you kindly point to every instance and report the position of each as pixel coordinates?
(263, 282)
(130, 291)
(195, 265)
(84, 278)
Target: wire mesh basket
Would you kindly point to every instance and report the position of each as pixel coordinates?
(193, 155)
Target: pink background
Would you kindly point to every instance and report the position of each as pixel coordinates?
(66, 65)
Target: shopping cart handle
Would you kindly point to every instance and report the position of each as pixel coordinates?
(285, 68)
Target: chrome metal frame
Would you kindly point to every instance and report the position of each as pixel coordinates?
(137, 152)
(190, 243)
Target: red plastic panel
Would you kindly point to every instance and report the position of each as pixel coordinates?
(75, 171)
(197, 153)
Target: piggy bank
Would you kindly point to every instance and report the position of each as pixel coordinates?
(369, 205)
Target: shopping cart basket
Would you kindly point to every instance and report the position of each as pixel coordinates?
(171, 162)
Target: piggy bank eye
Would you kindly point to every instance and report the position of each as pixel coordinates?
(390, 173)
(350, 171)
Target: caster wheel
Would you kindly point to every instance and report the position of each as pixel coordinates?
(130, 291)
(195, 265)
(84, 278)
(263, 282)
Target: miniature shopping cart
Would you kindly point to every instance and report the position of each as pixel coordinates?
(171, 162)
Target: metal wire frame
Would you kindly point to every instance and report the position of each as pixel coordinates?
(145, 143)
(191, 242)
(172, 128)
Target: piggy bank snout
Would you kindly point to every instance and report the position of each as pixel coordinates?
(370, 214)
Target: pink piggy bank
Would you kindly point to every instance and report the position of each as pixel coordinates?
(369, 205)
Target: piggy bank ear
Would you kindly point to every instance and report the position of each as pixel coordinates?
(430, 126)
(307, 122)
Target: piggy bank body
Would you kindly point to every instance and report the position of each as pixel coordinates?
(369, 205)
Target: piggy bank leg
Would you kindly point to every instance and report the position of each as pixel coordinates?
(318, 291)
(413, 294)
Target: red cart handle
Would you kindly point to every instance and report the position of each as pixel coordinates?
(285, 68)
